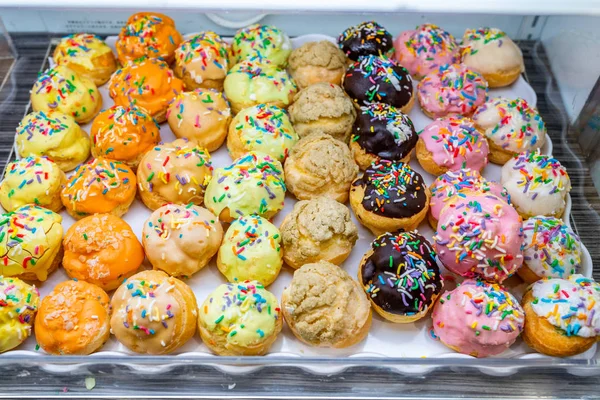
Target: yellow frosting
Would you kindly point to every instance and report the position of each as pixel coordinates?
(81, 49)
(30, 239)
(54, 135)
(18, 305)
(30, 180)
(253, 184)
(267, 129)
(259, 83)
(61, 89)
(245, 313)
(251, 250)
(260, 44)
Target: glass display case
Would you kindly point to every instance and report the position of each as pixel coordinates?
(560, 44)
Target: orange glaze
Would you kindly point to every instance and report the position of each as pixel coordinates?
(123, 133)
(99, 186)
(103, 250)
(73, 319)
(146, 83)
(148, 34)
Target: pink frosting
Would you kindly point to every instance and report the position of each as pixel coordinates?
(455, 143)
(478, 318)
(454, 183)
(425, 49)
(452, 89)
(480, 236)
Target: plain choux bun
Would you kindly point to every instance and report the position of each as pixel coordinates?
(315, 62)
(101, 249)
(320, 165)
(54, 135)
(240, 319)
(320, 229)
(62, 89)
(176, 172)
(323, 108)
(201, 116)
(87, 55)
(325, 307)
(181, 240)
(73, 319)
(153, 313)
(32, 180)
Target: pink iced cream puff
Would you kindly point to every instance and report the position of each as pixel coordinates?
(451, 89)
(460, 183)
(480, 235)
(452, 143)
(425, 49)
(478, 318)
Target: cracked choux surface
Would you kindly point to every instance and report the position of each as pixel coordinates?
(319, 165)
(181, 240)
(315, 230)
(153, 313)
(315, 62)
(323, 108)
(325, 307)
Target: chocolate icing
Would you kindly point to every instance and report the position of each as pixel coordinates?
(378, 79)
(384, 131)
(401, 276)
(392, 189)
(364, 39)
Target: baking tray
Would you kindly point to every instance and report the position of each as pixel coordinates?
(407, 349)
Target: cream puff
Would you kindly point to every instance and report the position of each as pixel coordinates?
(202, 61)
(87, 55)
(510, 127)
(146, 83)
(320, 229)
(124, 134)
(390, 196)
(478, 318)
(32, 180)
(251, 251)
(265, 128)
(538, 184)
(451, 143)
(261, 44)
(73, 319)
(374, 79)
(148, 34)
(325, 307)
(99, 186)
(480, 235)
(18, 304)
(366, 38)
(181, 240)
(176, 172)
(562, 316)
(382, 132)
(550, 249)
(493, 54)
(153, 313)
(315, 62)
(62, 89)
(240, 319)
(320, 165)
(323, 108)
(253, 184)
(54, 135)
(401, 277)
(201, 116)
(101, 249)
(30, 243)
(249, 83)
